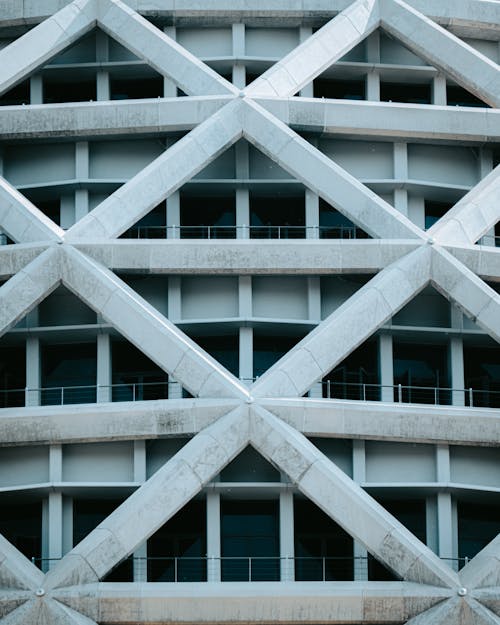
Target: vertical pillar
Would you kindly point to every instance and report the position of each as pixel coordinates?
(314, 314)
(373, 57)
(401, 175)
(456, 360)
(246, 333)
(213, 537)
(55, 509)
(386, 367)
(287, 540)
(104, 368)
(239, 70)
(174, 216)
(485, 166)
(36, 89)
(431, 537)
(174, 314)
(307, 91)
(82, 174)
(67, 534)
(359, 476)
(312, 215)
(242, 195)
(102, 56)
(439, 90)
(67, 211)
(446, 547)
(373, 86)
(140, 554)
(33, 371)
(169, 86)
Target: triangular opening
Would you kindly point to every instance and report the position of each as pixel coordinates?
(428, 309)
(381, 68)
(492, 238)
(357, 376)
(249, 466)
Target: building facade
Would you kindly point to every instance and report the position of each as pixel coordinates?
(249, 363)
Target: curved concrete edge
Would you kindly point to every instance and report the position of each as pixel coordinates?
(346, 503)
(274, 603)
(157, 500)
(388, 422)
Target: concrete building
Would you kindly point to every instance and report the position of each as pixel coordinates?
(249, 364)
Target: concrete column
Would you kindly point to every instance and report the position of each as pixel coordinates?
(431, 523)
(456, 360)
(140, 554)
(439, 90)
(239, 70)
(400, 160)
(67, 533)
(67, 211)
(308, 91)
(359, 476)
(174, 216)
(386, 367)
(33, 371)
(485, 166)
(246, 355)
(102, 55)
(169, 86)
(444, 505)
(213, 537)
(82, 173)
(55, 509)
(104, 368)
(242, 195)
(174, 314)
(36, 89)
(373, 57)
(314, 314)
(81, 203)
(373, 86)
(312, 215)
(287, 539)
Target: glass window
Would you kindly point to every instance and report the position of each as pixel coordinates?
(69, 373)
(356, 377)
(422, 372)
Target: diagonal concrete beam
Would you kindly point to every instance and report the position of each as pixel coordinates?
(484, 569)
(346, 328)
(147, 328)
(392, 422)
(37, 46)
(10, 600)
(16, 571)
(164, 494)
(22, 220)
(318, 52)
(440, 48)
(160, 51)
(481, 259)
(489, 597)
(462, 287)
(480, 614)
(324, 176)
(346, 503)
(13, 258)
(308, 602)
(162, 177)
(473, 215)
(43, 425)
(446, 613)
(28, 288)
(248, 256)
(60, 614)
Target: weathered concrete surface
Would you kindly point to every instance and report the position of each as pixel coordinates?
(29, 287)
(160, 51)
(109, 421)
(392, 422)
(441, 49)
(10, 600)
(346, 503)
(248, 256)
(319, 51)
(473, 215)
(146, 328)
(161, 177)
(338, 602)
(323, 176)
(346, 328)
(13, 258)
(482, 260)
(380, 119)
(149, 507)
(16, 571)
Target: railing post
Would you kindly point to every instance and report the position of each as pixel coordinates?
(324, 569)
(471, 398)
(400, 393)
(435, 396)
(249, 569)
(133, 391)
(175, 568)
(62, 395)
(364, 392)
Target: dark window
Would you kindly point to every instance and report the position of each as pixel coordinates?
(136, 377)
(12, 376)
(477, 526)
(434, 211)
(151, 226)
(412, 515)
(20, 94)
(333, 225)
(356, 377)
(339, 89)
(21, 524)
(277, 217)
(136, 88)
(69, 374)
(410, 93)
(482, 375)
(323, 550)
(223, 348)
(176, 552)
(457, 96)
(250, 541)
(208, 217)
(87, 515)
(268, 349)
(82, 90)
(422, 372)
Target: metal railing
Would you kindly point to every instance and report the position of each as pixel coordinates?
(401, 393)
(241, 568)
(281, 231)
